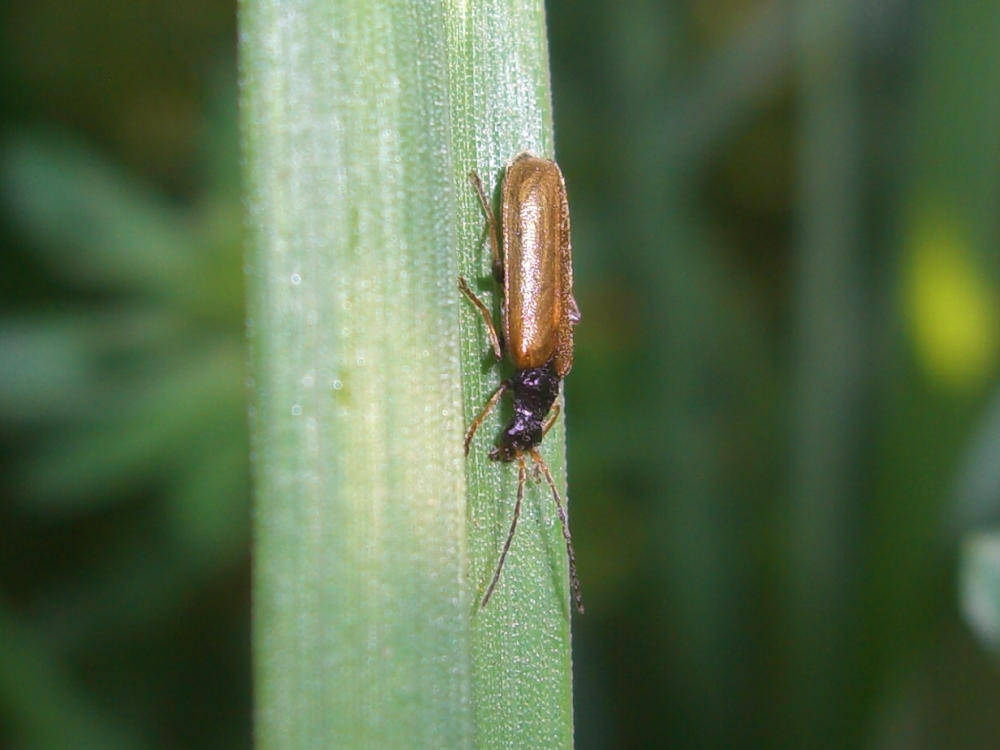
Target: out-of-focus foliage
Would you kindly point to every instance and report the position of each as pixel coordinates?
(782, 417)
(125, 518)
(980, 588)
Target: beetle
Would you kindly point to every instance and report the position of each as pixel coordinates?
(532, 264)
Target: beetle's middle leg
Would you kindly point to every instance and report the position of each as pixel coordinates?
(487, 318)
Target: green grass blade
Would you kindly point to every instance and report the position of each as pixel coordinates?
(375, 537)
(827, 389)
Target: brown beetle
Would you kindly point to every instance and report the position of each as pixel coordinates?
(532, 263)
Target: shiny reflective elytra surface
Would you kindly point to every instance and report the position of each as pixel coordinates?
(538, 284)
(539, 313)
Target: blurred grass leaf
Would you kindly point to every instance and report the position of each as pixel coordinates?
(979, 586)
(152, 361)
(44, 706)
(91, 224)
(977, 485)
(125, 390)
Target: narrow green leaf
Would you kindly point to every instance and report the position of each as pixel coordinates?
(375, 537)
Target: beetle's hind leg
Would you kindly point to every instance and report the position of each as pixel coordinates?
(463, 285)
(536, 472)
(553, 416)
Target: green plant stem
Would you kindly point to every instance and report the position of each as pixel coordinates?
(375, 536)
(827, 398)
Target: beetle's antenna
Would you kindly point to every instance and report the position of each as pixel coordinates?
(521, 476)
(573, 578)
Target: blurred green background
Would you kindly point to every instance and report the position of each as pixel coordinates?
(783, 417)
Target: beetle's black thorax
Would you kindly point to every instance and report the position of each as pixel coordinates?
(535, 390)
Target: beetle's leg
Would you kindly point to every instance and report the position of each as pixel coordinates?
(494, 227)
(573, 578)
(487, 318)
(521, 475)
(490, 405)
(553, 415)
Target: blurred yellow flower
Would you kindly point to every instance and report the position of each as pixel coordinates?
(950, 305)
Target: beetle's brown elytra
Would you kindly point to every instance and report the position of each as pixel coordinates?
(532, 261)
